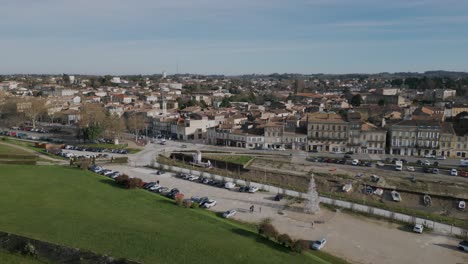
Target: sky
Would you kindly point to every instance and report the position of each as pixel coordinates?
(232, 37)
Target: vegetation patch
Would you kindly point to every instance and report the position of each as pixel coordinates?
(80, 209)
(236, 159)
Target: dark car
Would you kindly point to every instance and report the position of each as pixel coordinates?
(243, 189)
(159, 172)
(350, 152)
(347, 157)
(278, 197)
(427, 169)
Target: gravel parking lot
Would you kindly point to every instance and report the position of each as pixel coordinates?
(355, 238)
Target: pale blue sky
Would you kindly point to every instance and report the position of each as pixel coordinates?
(232, 37)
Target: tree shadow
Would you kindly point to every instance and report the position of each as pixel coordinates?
(111, 183)
(447, 246)
(260, 239)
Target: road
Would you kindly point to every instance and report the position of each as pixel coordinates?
(357, 239)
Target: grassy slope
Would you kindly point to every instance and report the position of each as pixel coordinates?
(80, 209)
(4, 149)
(9, 258)
(237, 159)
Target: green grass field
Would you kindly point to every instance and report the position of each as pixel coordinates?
(80, 209)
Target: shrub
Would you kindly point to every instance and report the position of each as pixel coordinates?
(29, 249)
(285, 240)
(300, 245)
(268, 230)
(84, 164)
(122, 180)
(134, 183)
(179, 198)
(187, 203)
(194, 205)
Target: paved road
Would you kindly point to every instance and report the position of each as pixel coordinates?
(357, 239)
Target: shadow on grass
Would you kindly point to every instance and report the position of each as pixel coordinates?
(260, 239)
(112, 183)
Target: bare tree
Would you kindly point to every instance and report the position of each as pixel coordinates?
(135, 123)
(33, 108)
(114, 126)
(92, 121)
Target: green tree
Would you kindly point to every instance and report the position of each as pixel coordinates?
(356, 100)
(382, 102)
(225, 102)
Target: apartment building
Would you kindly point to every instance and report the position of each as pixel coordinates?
(415, 137)
(330, 132)
(327, 132)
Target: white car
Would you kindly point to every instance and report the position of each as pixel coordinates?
(418, 228)
(281, 149)
(319, 244)
(429, 156)
(253, 189)
(426, 163)
(463, 245)
(454, 172)
(440, 157)
(107, 173)
(410, 168)
(230, 185)
(355, 162)
(155, 187)
(193, 178)
(229, 213)
(208, 204)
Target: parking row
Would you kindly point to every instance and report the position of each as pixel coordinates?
(95, 149)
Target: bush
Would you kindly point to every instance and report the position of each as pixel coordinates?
(134, 183)
(300, 245)
(179, 198)
(29, 250)
(122, 180)
(268, 230)
(194, 205)
(187, 203)
(285, 240)
(84, 164)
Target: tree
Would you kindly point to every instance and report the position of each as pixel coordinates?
(285, 240)
(91, 123)
(114, 126)
(135, 123)
(356, 100)
(268, 230)
(300, 245)
(225, 102)
(33, 109)
(382, 102)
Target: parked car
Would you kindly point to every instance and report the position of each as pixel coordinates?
(426, 163)
(229, 214)
(435, 171)
(355, 162)
(253, 189)
(230, 185)
(207, 181)
(278, 197)
(162, 190)
(427, 169)
(440, 157)
(243, 189)
(454, 172)
(193, 178)
(429, 156)
(347, 156)
(410, 168)
(319, 244)
(418, 228)
(463, 245)
(208, 204)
